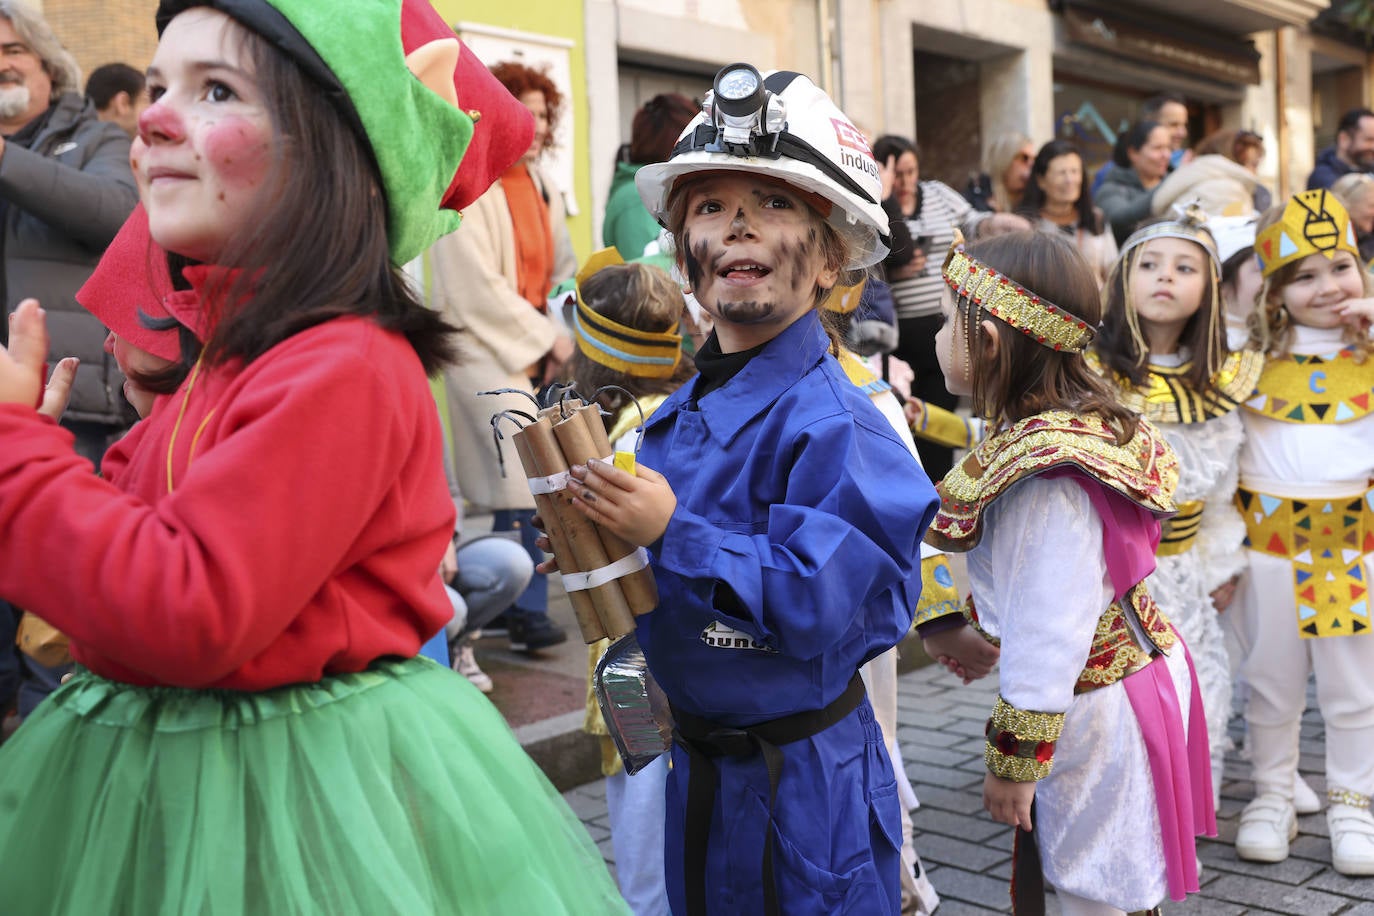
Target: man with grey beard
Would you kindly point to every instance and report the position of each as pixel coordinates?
(65, 189)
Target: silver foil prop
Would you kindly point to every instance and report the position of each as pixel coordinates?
(634, 707)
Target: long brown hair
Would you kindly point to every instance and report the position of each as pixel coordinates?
(1024, 377)
(641, 297)
(1118, 346)
(316, 246)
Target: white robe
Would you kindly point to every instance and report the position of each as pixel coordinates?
(1040, 583)
(1182, 585)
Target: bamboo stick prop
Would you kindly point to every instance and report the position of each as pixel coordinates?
(604, 583)
(641, 591)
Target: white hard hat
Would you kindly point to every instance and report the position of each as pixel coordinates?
(783, 126)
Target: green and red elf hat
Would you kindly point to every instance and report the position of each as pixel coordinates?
(440, 127)
(132, 279)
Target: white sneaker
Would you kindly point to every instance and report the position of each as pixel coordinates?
(1267, 825)
(1352, 839)
(465, 663)
(1305, 800)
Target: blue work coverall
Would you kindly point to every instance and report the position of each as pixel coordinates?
(792, 558)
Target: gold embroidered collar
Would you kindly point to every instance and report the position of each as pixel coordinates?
(1143, 470)
(1166, 396)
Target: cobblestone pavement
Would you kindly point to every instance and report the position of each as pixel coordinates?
(968, 857)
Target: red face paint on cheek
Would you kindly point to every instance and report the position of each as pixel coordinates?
(238, 150)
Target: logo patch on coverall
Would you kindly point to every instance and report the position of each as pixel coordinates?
(719, 636)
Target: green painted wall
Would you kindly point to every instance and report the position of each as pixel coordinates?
(562, 19)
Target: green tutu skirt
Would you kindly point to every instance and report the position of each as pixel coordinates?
(396, 790)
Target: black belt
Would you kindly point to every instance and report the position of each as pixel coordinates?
(704, 740)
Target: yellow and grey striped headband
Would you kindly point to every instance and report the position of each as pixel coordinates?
(643, 354)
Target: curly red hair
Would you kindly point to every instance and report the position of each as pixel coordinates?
(519, 79)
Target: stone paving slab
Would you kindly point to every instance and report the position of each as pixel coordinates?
(968, 857)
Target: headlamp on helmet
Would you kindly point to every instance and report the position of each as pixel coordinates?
(748, 118)
(780, 125)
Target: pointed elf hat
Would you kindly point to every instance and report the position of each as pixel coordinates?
(1314, 222)
(130, 279)
(405, 84)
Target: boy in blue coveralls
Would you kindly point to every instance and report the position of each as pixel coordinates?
(785, 525)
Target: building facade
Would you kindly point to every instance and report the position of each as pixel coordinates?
(953, 75)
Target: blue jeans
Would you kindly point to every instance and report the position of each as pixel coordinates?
(535, 597)
(492, 571)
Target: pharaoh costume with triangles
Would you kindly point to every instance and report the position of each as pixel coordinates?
(1304, 495)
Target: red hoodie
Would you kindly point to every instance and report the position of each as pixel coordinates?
(301, 537)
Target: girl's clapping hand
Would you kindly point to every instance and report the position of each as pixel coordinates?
(636, 506)
(22, 364)
(59, 390)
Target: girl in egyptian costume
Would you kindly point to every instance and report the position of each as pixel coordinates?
(1163, 346)
(1097, 740)
(1305, 500)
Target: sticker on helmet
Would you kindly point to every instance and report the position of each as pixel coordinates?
(848, 135)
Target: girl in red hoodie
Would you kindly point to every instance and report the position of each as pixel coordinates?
(249, 729)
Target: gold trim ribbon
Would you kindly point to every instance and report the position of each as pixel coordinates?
(1020, 743)
(1002, 297)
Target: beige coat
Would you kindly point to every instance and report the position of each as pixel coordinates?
(1216, 184)
(473, 282)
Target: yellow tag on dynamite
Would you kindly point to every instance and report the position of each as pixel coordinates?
(625, 461)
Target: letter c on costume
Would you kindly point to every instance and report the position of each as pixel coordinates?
(1317, 376)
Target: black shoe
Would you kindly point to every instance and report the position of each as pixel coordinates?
(498, 625)
(529, 632)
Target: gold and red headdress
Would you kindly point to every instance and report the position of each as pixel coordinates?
(1002, 297)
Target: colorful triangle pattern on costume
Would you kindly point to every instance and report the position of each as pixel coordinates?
(1328, 389)
(1326, 542)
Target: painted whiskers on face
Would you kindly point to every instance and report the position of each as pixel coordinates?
(700, 260)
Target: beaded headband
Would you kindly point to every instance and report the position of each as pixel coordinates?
(1314, 222)
(643, 354)
(1190, 226)
(1004, 298)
